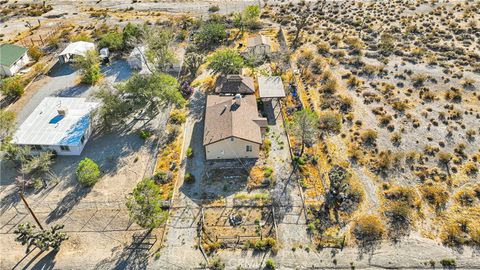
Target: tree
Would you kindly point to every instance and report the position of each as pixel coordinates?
(247, 18)
(7, 125)
(145, 205)
(114, 108)
(131, 33)
(210, 35)
(304, 127)
(12, 87)
(159, 51)
(192, 62)
(112, 40)
(152, 92)
(44, 240)
(89, 67)
(227, 61)
(88, 172)
(35, 165)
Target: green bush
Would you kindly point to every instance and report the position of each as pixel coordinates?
(189, 152)
(144, 134)
(270, 264)
(112, 40)
(213, 9)
(12, 87)
(189, 178)
(88, 172)
(178, 117)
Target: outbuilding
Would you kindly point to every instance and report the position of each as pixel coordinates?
(12, 59)
(59, 124)
(79, 48)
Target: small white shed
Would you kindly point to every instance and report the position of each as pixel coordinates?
(79, 48)
(259, 45)
(136, 59)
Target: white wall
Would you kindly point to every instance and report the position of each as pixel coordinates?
(228, 149)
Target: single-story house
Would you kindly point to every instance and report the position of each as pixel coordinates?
(259, 45)
(12, 59)
(233, 128)
(235, 84)
(79, 48)
(59, 124)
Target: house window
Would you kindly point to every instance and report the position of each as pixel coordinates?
(249, 148)
(83, 139)
(231, 139)
(65, 148)
(36, 147)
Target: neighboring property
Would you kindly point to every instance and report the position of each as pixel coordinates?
(79, 48)
(12, 59)
(271, 87)
(235, 84)
(232, 127)
(58, 124)
(259, 45)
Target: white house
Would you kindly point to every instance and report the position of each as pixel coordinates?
(12, 59)
(259, 45)
(79, 48)
(58, 124)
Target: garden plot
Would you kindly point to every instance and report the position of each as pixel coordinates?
(236, 227)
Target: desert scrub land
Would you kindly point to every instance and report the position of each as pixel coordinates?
(394, 86)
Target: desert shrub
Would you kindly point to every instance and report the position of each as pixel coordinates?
(163, 177)
(265, 244)
(189, 152)
(386, 161)
(471, 168)
(35, 53)
(396, 139)
(317, 65)
(144, 134)
(369, 137)
(323, 48)
(330, 86)
(189, 178)
(330, 122)
(419, 79)
(178, 117)
(466, 197)
(448, 263)
(435, 194)
(353, 81)
(12, 87)
(399, 213)
(81, 37)
(452, 235)
(400, 105)
(88, 172)
(400, 194)
(368, 228)
(270, 264)
(216, 264)
(213, 8)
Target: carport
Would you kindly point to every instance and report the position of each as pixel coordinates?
(270, 89)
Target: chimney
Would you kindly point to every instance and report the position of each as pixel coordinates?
(62, 111)
(238, 99)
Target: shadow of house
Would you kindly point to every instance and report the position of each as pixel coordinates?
(119, 69)
(60, 69)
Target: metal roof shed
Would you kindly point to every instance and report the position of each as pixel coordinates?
(271, 87)
(79, 48)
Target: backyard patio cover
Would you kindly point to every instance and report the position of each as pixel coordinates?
(78, 48)
(271, 87)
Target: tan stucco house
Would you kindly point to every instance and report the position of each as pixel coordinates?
(232, 127)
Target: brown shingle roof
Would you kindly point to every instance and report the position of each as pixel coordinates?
(224, 119)
(235, 84)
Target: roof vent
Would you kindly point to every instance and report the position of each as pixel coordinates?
(62, 111)
(238, 99)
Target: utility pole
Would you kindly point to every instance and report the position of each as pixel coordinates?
(30, 210)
